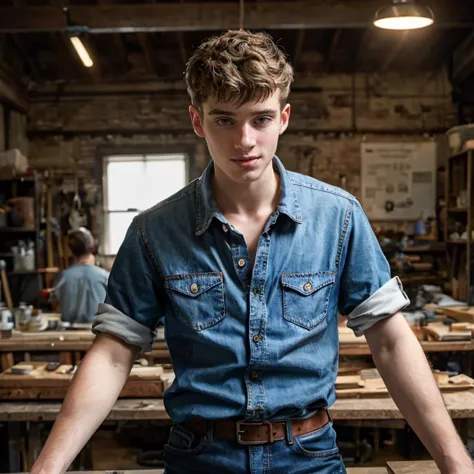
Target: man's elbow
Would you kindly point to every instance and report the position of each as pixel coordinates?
(384, 336)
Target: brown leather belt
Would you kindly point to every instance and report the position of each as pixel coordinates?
(254, 433)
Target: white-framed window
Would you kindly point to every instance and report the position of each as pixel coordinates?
(134, 183)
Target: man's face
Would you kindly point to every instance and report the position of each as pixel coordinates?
(241, 140)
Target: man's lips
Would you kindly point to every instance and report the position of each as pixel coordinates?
(244, 158)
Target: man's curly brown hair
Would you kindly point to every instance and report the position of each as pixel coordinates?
(238, 66)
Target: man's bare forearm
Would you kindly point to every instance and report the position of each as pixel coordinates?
(405, 370)
(92, 394)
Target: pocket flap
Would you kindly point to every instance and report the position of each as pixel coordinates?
(307, 283)
(194, 284)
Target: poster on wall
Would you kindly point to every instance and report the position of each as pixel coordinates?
(398, 180)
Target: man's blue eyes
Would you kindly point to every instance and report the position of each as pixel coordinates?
(225, 122)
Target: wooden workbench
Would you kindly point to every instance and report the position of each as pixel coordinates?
(411, 467)
(460, 405)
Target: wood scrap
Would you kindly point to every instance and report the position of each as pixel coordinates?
(441, 332)
(374, 387)
(143, 382)
(461, 379)
(464, 314)
(349, 381)
(460, 327)
(347, 336)
(422, 266)
(409, 467)
(369, 374)
(441, 378)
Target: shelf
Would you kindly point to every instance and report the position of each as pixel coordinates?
(424, 250)
(459, 242)
(28, 272)
(6, 254)
(17, 229)
(457, 209)
(38, 270)
(29, 179)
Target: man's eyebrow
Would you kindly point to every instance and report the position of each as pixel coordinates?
(221, 112)
(266, 112)
(228, 112)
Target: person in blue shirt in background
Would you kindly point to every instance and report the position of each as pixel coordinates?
(81, 287)
(248, 267)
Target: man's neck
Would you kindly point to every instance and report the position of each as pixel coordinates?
(253, 199)
(86, 260)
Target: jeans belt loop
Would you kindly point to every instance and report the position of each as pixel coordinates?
(210, 430)
(289, 432)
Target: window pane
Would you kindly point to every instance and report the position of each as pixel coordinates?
(117, 228)
(125, 182)
(164, 178)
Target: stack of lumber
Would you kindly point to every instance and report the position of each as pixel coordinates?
(369, 384)
(143, 382)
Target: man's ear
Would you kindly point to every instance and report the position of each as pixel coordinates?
(196, 121)
(285, 118)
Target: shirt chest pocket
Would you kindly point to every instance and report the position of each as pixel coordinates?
(306, 297)
(197, 298)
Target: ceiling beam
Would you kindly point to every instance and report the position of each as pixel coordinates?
(120, 53)
(463, 60)
(13, 94)
(150, 56)
(298, 46)
(332, 49)
(162, 17)
(27, 58)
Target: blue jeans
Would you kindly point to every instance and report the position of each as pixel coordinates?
(314, 452)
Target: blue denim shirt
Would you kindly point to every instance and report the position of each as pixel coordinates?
(261, 343)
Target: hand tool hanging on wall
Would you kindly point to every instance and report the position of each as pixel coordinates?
(5, 285)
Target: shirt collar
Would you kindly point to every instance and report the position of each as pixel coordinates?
(207, 208)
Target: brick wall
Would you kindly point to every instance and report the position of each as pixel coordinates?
(331, 116)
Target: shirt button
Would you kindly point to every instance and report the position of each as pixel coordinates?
(254, 375)
(308, 286)
(256, 338)
(241, 263)
(194, 288)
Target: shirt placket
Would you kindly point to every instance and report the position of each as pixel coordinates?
(254, 377)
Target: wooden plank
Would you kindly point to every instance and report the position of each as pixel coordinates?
(441, 332)
(463, 314)
(460, 405)
(366, 470)
(349, 381)
(411, 467)
(44, 385)
(212, 16)
(374, 387)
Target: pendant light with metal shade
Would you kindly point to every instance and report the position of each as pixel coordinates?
(403, 15)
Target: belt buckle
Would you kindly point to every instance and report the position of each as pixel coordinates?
(239, 433)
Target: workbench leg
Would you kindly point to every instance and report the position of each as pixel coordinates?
(34, 443)
(463, 430)
(6, 360)
(14, 445)
(376, 440)
(65, 358)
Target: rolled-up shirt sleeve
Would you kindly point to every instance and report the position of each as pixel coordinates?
(367, 293)
(132, 308)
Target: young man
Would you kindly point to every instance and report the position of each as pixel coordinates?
(81, 287)
(248, 267)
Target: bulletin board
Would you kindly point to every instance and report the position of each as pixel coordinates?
(398, 180)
